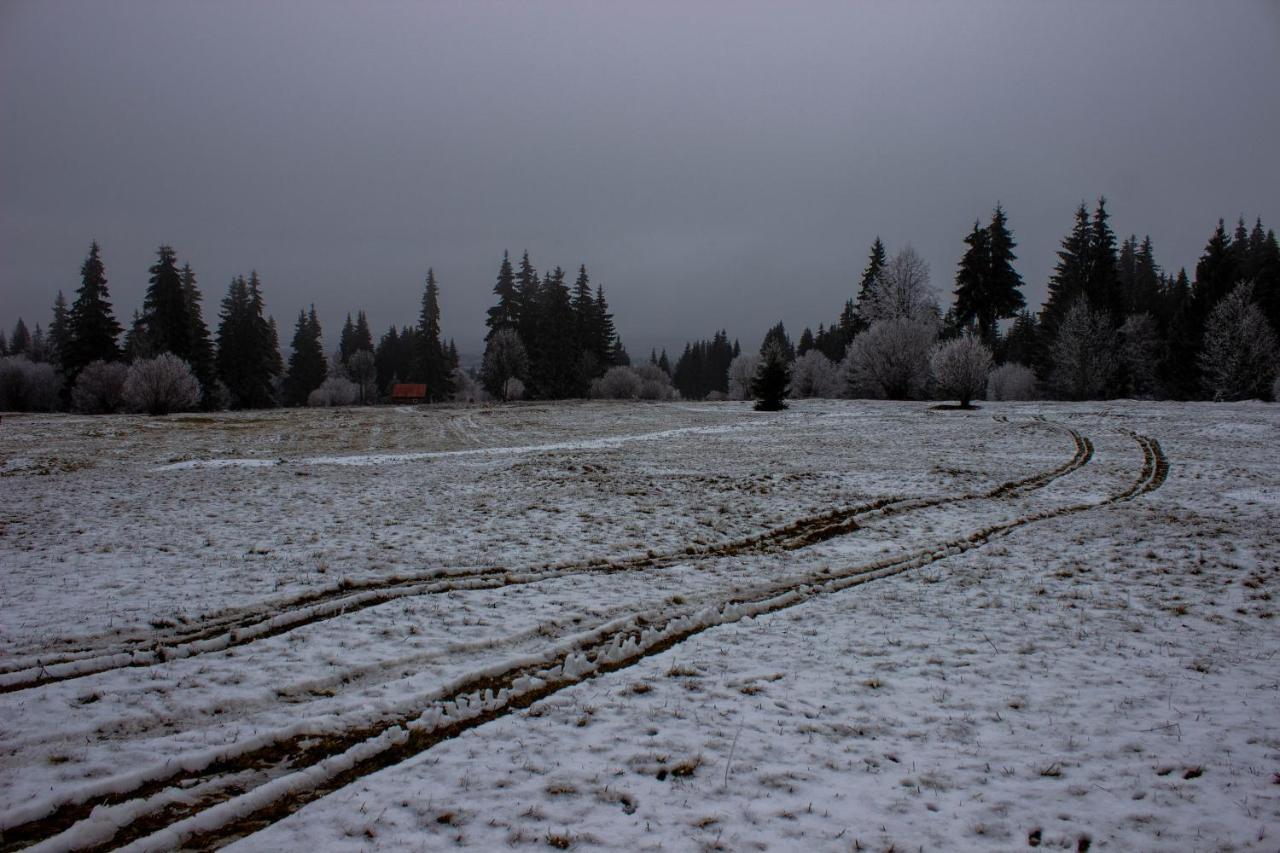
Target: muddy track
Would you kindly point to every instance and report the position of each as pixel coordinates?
(219, 633)
(214, 801)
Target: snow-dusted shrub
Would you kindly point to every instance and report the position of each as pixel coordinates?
(655, 383)
(505, 361)
(1239, 356)
(334, 391)
(1084, 353)
(814, 375)
(28, 386)
(161, 385)
(465, 388)
(960, 368)
(513, 389)
(891, 359)
(99, 388)
(618, 383)
(716, 397)
(1012, 381)
(742, 370)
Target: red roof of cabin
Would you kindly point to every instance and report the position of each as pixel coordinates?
(409, 389)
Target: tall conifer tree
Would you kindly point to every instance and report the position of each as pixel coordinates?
(93, 330)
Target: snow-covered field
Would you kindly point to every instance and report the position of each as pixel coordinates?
(623, 626)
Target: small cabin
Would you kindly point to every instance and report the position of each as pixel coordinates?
(408, 392)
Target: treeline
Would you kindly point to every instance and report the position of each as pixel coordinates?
(1115, 323)
(545, 341)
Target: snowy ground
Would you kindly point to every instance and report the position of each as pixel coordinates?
(630, 627)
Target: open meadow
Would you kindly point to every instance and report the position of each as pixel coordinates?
(681, 626)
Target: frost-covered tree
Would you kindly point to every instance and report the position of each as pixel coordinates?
(891, 359)
(334, 391)
(902, 291)
(773, 378)
(161, 385)
(960, 368)
(1012, 381)
(1083, 355)
(1239, 356)
(99, 389)
(364, 373)
(27, 386)
(814, 375)
(655, 383)
(505, 362)
(465, 388)
(741, 372)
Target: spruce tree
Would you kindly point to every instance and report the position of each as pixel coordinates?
(346, 340)
(362, 337)
(432, 363)
(553, 363)
(1101, 283)
(1266, 274)
(1070, 276)
(506, 314)
(166, 317)
(1004, 285)
(93, 331)
(200, 354)
(605, 344)
(307, 365)
(1178, 373)
(806, 342)
(59, 331)
(20, 340)
(527, 291)
(876, 260)
(773, 375)
(778, 337)
(972, 287)
(1216, 272)
(248, 360)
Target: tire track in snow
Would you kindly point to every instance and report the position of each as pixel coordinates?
(212, 799)
(238, 628)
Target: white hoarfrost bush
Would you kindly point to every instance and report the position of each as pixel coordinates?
(1275, 388)
(891, 359)
(655, 384)
(618, 383)
(960, 368)
(161, 385)
(334, 391)
(814, 375)
(465, 388)
(742, 371)
(1012, 381)
(645, 382)
(1239, 355)
(28, 386)
(99, 389)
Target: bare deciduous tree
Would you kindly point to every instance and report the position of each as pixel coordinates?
(960, 368)
(891, 359)
(1239, 356)
(902, 290)
(742, 371)
(99, 388)
(161, 385)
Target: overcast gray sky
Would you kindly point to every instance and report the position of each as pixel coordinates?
(713, 164)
